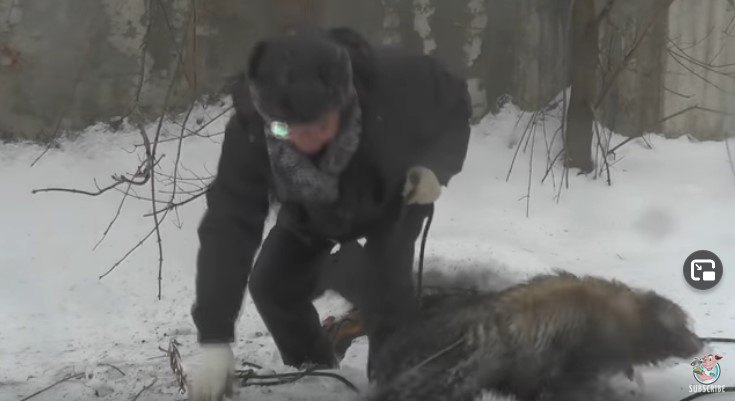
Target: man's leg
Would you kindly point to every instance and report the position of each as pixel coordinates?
(283, 283)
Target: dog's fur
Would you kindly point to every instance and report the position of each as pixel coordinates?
(539, 340)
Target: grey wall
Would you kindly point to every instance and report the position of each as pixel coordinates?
(70, 63)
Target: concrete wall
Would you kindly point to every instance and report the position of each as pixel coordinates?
(700, 31)
(69, 63)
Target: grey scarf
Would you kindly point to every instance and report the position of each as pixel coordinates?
(299, 179)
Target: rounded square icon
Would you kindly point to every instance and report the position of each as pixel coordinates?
(703, 270)
(706, 267)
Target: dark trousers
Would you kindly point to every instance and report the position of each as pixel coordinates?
(293, 269)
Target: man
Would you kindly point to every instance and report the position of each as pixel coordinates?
(353, 142)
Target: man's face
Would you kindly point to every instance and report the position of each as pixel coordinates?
(311, 138)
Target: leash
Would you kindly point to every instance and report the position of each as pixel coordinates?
(419, 279)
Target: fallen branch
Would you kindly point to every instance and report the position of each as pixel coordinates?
(75, 376)
(114, 367)
(144, 389)
(248, 377)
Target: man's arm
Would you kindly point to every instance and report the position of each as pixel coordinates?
(230, 233)
(444, 151)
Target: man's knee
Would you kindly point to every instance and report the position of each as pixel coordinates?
(261, 286)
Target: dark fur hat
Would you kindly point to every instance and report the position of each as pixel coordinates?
(298, 77)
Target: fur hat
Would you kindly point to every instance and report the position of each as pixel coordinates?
(296, 79)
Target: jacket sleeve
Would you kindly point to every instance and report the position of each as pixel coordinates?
(447, 135)
(229, 234)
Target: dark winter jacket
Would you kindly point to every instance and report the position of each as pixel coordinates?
(414, 113)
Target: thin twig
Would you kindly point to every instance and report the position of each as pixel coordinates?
(249, 375)
(609, 84)
(532, 125)
(530, 174)
(630, 138)
(729, 156)
(75, 376)
(604, 154)
(138, 245)
(676, 93)
(695, 73)
(695, 107)
(52, 140)
(78, 191)
(564, 178)
(565, 112)
(520, 142)
(143, 52)
(173, 39)
(704, 64)
(551, 165)
(119, 179)
(155, 379)
(178, 151)
(198, 130)
(84, 62)
(548, 147)
(172, 206)
(155, 142)
(143, 59)
(114, 219)
(158, 237)
(114, 367)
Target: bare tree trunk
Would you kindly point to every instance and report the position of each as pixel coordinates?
(584, 51)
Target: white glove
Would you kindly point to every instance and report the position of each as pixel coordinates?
(212, 374)
(421, 187)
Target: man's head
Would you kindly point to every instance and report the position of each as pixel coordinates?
(299, 85)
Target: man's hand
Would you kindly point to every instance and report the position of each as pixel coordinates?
(421, 187)
(213, 373)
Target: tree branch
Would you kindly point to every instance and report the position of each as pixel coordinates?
(75, 376)
(609, 84)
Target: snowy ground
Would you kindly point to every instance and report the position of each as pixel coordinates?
(57, 318)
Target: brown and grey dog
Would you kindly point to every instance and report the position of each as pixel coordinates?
(551, 338)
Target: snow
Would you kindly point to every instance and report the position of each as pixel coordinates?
(58, 319)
